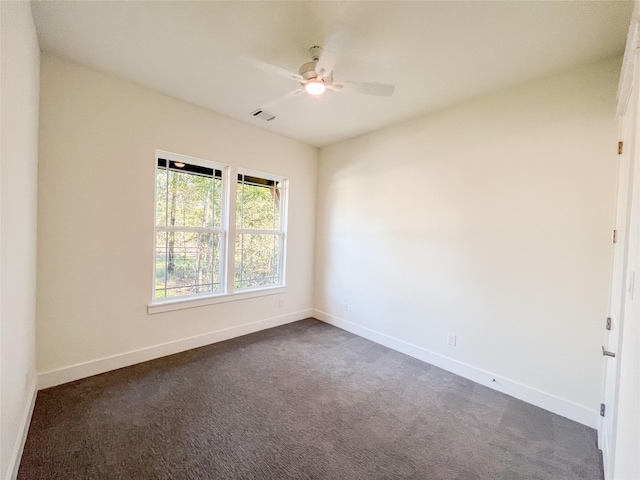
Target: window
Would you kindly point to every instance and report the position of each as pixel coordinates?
(259, 231)
(189, 232)
(196, 236)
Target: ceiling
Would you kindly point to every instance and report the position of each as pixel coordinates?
(436, 53)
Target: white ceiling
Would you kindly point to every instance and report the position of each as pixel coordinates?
(436, 53)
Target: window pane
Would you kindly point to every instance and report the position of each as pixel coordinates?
(161, 264)
(217, 203)
(161, 196)
(239, 196)
(190, 200)
(257, 258)
(258, 206)
(187, 263)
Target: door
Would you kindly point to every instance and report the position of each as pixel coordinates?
(623, 282)
(614, 323)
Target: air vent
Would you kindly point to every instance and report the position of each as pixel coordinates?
(263, 115)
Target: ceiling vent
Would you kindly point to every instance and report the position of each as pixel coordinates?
(263, 115)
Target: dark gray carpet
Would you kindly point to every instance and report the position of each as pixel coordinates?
(301, 401)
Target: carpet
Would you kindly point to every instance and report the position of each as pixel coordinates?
(301, 401)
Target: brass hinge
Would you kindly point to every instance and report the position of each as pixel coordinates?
(608, 323)
(602, 409)
(620, 145)
(615, 236)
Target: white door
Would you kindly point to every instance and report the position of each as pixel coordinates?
(616, 313)
(624, 259)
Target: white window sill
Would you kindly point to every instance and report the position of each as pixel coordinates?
(192, 302)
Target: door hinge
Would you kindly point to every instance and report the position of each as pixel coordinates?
(620, 146)
(615, 236)
(602, 409)
(608, 323)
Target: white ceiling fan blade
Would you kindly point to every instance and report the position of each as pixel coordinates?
(377, 89)
(325, 64)
(331, 50)
(267, 67)
(283, 98)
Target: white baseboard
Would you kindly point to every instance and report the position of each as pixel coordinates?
(105, 364)
(531, 395)
(528, 394)
(18, 448)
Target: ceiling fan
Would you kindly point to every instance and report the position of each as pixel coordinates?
(316, 76)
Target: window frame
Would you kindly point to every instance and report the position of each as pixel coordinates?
(220, 230)
(281, 232)
(227, 231)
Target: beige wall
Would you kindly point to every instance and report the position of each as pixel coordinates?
(18, 206)
(98, 137)
(491, 220)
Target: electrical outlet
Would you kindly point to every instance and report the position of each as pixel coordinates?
(451, 339)
(345, 306)
(281, 303)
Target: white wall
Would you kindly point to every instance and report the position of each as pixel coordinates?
(18, 206)
(491, 220)
(98, 137)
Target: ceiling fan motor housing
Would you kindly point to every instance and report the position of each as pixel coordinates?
(308, 71)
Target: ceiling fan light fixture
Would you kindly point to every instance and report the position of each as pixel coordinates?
(315, 87)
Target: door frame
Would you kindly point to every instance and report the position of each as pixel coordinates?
(624, 269)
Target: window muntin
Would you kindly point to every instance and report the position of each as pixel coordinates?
(189, 244)
(259, 238)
